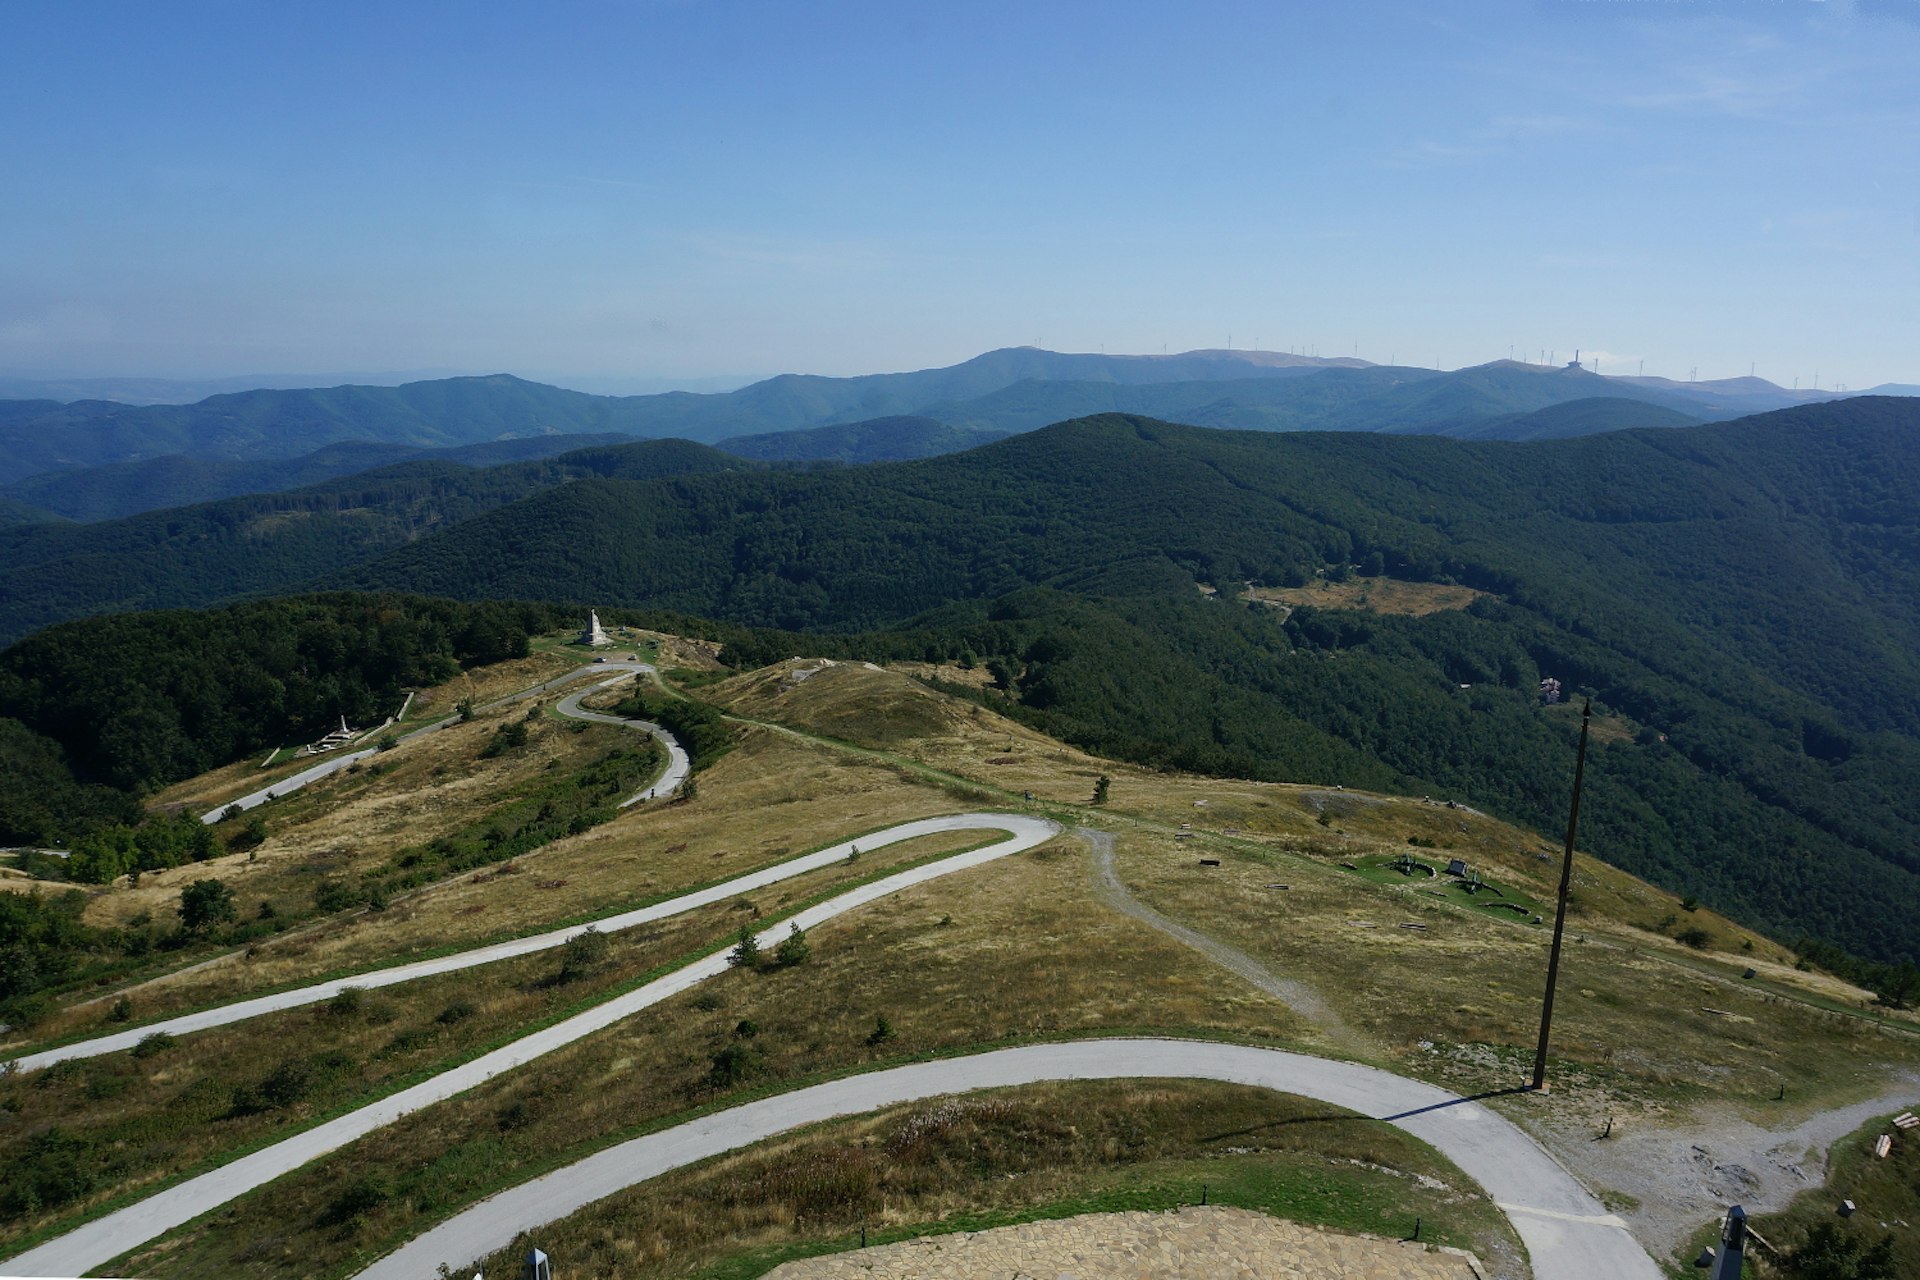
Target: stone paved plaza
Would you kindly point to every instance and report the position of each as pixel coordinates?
(1188, 1244)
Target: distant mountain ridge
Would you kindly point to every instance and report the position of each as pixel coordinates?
(1012, 389)
(119, 489)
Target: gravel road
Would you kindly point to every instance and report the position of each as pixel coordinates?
(1295, 995)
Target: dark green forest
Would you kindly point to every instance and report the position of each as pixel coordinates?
(272, 543)
(1745, 595)
(118, 489)
(1741, 600)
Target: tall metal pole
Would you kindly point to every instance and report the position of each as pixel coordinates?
(1560, 916)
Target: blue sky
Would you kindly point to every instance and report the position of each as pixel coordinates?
(679, 189)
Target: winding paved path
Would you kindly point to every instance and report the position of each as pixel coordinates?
(1569, 1235)
(678, 765)
(241, 1010)
(333, 764)
(98, 1242)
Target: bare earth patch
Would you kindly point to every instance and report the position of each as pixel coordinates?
(1194, 1243)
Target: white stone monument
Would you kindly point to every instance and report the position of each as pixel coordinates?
(594, 635)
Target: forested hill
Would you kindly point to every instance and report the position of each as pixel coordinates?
(271, 543)
(120, 489)
(892, 439)
(1743, 597)
(1742, 600)
(1765, 536)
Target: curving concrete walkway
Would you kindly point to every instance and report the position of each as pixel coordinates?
(241, 1010)
(333, 764)
(100, 1241)
(1569, 1235)
(678, 765)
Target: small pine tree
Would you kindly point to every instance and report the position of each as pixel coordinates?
(1100, 786)
(882, 1030)
(746, 952)
(793, 949)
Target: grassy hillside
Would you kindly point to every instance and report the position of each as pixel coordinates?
(1411, 973)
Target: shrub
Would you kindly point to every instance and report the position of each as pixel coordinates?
(585, 951)
(508, 737)
(205, 903)
(1833, 1254)
(458, 1011)
(882, 1030)
(1696, 937)
(746, 1029)
(1100, 786)
(746, 952)
(153, 1043)
(361, 1197)
(793, 949)
(732, 1065)
(122, 1010)
(331, 895)
(346, 1001)
(54, 1168)
(285, 1085)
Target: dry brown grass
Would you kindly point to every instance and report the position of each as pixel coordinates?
(1647, 1027)
(771, 798)
(1026, 953)
(1014, 1153)
(146, 1118)
(890, 713)
(1374, 595)
(1639, 1029)
(355, 820)
(483, 684)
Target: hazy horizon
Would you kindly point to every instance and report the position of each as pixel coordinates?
(672, 192)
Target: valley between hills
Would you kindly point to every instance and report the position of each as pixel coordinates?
(1133, 906)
